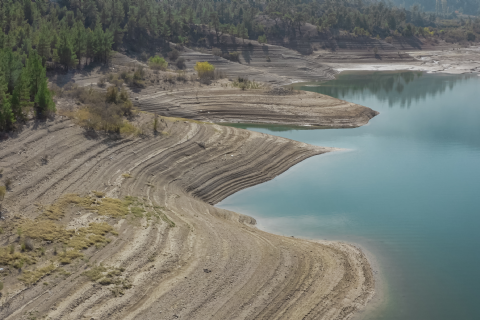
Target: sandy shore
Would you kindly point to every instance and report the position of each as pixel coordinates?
(449, 61)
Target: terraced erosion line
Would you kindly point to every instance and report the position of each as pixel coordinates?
(221, 104)
(208, 263)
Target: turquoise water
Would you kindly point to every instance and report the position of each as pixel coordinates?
(407, 188)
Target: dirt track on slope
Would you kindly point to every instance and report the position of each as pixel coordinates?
(207, 263)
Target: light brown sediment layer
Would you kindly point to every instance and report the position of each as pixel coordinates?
(294, 108)
(254, 274)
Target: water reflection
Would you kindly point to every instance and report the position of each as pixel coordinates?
(399, 88)
(407, 189)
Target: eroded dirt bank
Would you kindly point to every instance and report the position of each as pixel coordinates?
(232, 105)
(198, 261)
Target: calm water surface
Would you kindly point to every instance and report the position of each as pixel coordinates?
(407, 188)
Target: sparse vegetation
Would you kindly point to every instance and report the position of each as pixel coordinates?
(106, 113)
(158, 63)
(244, 84)
(31, 277)
(108, 276)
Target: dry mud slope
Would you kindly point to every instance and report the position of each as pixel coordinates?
(232, 105)
(200, 262)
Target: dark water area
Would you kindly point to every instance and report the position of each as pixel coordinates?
(406, 188)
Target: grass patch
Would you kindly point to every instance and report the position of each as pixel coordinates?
(56, 211)
(66, 257)
(94, 234)
(112, 207)
(108, 276)
(95, 273)
(99, 194)
(137, 211)
(127, 175)
(31, 277)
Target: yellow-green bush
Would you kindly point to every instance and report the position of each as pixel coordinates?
(205, 70)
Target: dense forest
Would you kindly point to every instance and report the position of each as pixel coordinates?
(67, 34)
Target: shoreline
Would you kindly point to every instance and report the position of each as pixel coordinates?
(462, 61)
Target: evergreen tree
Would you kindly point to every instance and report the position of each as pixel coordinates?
(44, 43)
(65, 50)
(7, 118)
(36, 72)
(20, 103)
(44, 101)
(79, 41)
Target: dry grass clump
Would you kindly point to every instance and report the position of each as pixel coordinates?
(9, 257)
(99, 194)
(94, 234)
(137, 211)
(112, 207)
(45, 230)
(107, 276)
(244, 84)
(31, 277)
(67, 256)
(56, 211)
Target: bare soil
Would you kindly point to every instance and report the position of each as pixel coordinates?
(198, 261)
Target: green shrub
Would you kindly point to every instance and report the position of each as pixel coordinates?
(158, 63)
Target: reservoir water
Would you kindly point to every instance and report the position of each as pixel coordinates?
(406, 188)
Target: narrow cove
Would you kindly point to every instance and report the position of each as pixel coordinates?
(405, 187)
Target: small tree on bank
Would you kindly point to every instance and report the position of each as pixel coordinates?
(205, 71)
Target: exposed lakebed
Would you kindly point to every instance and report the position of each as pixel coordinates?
(406, 187)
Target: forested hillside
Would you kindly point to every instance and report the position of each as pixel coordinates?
(69, 34)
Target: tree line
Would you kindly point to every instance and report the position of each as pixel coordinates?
(65, 34)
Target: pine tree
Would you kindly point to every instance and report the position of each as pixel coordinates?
(44, 44)
(20, 103)
(79, 40)
(66, 52)
(7, 118)
(36, 72)
(44, 101)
